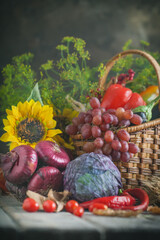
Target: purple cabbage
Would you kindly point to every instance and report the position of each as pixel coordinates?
(90, 176)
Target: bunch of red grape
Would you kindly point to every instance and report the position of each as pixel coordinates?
(104, 131)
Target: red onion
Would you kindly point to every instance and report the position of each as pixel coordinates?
(52, 154)
(19, 164)
(46, 178)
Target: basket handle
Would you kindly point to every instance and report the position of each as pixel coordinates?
(112, 61)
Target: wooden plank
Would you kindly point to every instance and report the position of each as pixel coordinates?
(63, 225)
(41, 225)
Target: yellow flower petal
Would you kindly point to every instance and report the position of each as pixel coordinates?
(51, 123)
(52, 133)
(6, 122)
(9, 112)
(13, 145)
(16, 113)
(4, 137)
(36, 109)
(11, 120)
(9, 129)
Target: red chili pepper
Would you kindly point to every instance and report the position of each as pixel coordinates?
(135, 101)
(141, 195)
(97, 206)
(116, 96)
(112, 201)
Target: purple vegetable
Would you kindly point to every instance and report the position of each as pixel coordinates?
(92, 176)
(19, 164)
(52, 154)
(19, 191)
(44, 179)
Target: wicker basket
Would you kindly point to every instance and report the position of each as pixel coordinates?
(146, 163)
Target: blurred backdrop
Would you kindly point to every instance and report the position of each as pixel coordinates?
(38, 26)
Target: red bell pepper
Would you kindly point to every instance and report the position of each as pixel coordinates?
(116, 96)
(135, 101)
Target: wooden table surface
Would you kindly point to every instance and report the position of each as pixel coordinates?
(16, 224)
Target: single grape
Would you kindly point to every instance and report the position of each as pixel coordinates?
(124, 146)
(86, 131)
(107, 118)
(136, 119)
(89, 111)
(88, 147)
(94, 102)
(116, 155)
(88, 118)
(96, 131)
(71, 129)
(107, 149)
(104, 127)
(115, 120)
(99, 142)
(116, 145)
(128, 114)
(123, 135)
(133, 148)
(96, 111)
(109, 136)
(75, 121)
(97, 120)
(111, 111)
(119, 113)
(81, 117)
(124, 123)
(125, 157)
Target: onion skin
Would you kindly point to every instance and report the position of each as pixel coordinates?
(44, 179)
(19, 164)
(52, 154)
(19, 191)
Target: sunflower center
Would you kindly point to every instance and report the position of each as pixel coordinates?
(31, 130)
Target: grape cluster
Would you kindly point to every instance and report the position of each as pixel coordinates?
(104, 131)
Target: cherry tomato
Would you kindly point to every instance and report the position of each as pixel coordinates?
(97, 206)
(30, 205)
(78, 211)
(71, 205)
(49, 206)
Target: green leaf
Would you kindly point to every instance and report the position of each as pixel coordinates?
(35, 95)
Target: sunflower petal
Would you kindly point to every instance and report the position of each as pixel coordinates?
(9, 112)
(9, 129)
(36, 108)
(13, 145)
(52, 133)
(4, 137)
(11, 120)
(51, 123)
(6, 122)
(16, 113)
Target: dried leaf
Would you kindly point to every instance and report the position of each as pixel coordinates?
(154, 210)
(37, 197)
(119, 213)
(59, 197)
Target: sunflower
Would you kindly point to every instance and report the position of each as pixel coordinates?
(28, 123)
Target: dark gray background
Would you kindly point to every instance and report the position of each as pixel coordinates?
(38, 26)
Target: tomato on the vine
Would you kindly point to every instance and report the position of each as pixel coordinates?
(71, 205)
(49, 206)
(78, 211)
(30, 205)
